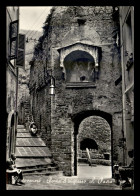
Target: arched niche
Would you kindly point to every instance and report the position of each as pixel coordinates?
(79, 67)
(77, 55)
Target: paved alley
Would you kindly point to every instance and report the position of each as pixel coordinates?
(65, 183)
(89, 178)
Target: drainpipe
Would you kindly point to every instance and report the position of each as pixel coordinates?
(123, 87)
(16, 90)
(16, 110)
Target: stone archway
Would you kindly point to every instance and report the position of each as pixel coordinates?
(77, 119)
(94, 134)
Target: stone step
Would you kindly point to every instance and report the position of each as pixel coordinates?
(22, 142)
(33, 152)
(33, 156)
(33, 162)
(22, 130)
(38, 169)
(50, 168)
(26, 135)
(48, 173)
(20, 127)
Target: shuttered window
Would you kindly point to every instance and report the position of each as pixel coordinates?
(13, 39)
(20, 62)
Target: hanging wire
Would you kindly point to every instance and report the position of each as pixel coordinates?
(33, 32)
(36, 22)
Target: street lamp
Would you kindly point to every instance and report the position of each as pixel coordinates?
(52, 90)
(52, 86)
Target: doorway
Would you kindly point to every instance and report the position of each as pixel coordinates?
(11, 133)
(93, 130)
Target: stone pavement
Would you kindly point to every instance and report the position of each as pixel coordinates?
(89, 178)
(98, 171)
(35, 182)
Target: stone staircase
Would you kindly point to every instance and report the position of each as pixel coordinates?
(33, 156)
(27, 111)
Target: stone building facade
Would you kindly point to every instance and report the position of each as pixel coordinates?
(127, 62)
(12, 14)
(15, 50)
(79, 47)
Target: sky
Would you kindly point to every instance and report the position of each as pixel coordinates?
(32, 18)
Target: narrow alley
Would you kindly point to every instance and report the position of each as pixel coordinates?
(70, 97)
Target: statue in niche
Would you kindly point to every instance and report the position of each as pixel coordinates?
(83, 74)
(75, 75)
(82, 70)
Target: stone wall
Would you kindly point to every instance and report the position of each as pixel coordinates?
(127, 51)
(90, 26)
(11, 90)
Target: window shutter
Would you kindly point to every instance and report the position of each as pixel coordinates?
(13, 39)
(20, 62)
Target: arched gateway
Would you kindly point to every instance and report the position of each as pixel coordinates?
(77, 119)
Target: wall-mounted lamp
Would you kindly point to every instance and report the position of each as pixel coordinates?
(52, 86)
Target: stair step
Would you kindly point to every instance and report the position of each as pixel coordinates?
(35, 169)
(20, 126)
(33, 152)
(25, 135)
(32, 162)
(34, 166)
(52, 168)
(33, 156)
(22, 131)
(29, 142)
(57, 173)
